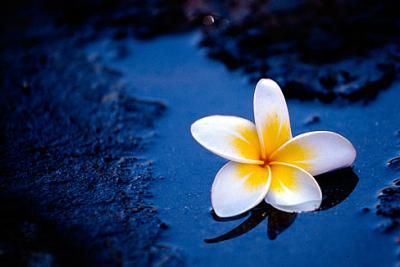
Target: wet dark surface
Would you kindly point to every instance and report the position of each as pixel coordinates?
(346, 232)
(74, 184)
(97, 170)
(336, 186)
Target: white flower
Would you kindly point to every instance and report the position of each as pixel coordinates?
(266, 163)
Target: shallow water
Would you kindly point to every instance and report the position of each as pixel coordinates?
(174, 70)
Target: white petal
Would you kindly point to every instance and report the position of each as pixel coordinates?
(271, 116)
(238, 188)
(317, 152)
(230, 137)
(293, 189)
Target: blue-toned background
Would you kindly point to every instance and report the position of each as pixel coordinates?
(97, 97)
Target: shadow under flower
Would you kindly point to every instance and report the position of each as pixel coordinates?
(336, 186)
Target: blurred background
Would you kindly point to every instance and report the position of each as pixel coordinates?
(98, 167)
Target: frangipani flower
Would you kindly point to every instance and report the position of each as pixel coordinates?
(266, 163)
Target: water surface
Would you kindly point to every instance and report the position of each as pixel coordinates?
(174, 70)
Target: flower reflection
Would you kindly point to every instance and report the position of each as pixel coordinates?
(336, 186)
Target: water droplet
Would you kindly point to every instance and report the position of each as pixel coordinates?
(208, 20)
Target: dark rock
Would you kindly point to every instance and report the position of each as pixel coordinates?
(396, 182)
(394, 163)
(387, 226)
(313, 49)
(389, 207)
(30, 240)
(163, 225)
(329, 81)
(208, 20)
(55, 133)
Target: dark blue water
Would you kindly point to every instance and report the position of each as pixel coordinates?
(173, 69)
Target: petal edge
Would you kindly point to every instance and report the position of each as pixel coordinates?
(317, 152)
(229, 137)
(293, 189)
(239, 187)
(271, 116)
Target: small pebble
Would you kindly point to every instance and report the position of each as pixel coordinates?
(208, 20)
(163, 225)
